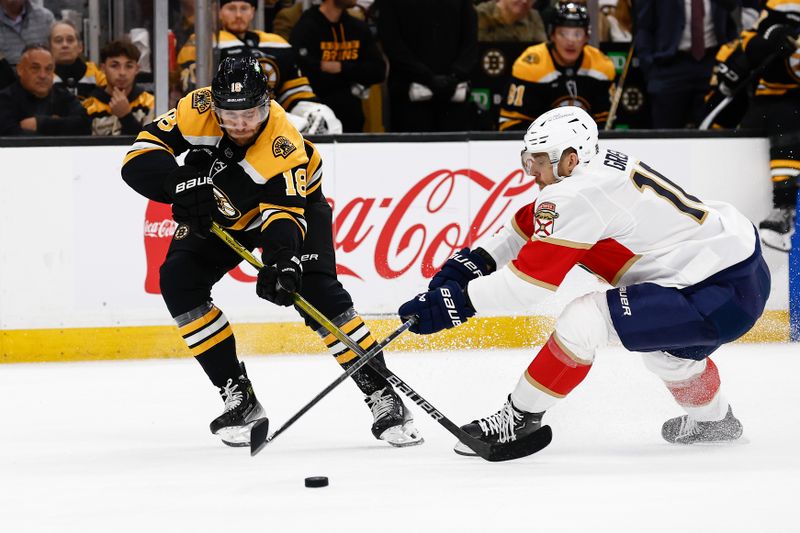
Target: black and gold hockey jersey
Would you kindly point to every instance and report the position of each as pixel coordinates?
(80, 78)
(779, 75)
(261, 188)
(539, 84)
(273, 52)
(106, 123)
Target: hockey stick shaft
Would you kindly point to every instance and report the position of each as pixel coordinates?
(612, 112)
(361, 361)
(479, 447)
(299, 301)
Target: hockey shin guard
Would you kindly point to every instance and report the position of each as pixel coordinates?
(210, 339)
(552, 374)
(695, 385)
(565, 359)
(367, 379)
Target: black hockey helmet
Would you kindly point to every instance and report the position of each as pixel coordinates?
(571, 14)
(239, 84)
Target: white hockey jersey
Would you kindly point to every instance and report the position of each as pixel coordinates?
(619, 218)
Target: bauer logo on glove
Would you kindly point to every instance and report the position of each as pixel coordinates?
(442, 308)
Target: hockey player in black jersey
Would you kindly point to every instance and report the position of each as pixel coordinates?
(769, 53)
(249, 170)
(565, 71)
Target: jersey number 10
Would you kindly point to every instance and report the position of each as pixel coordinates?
(645, 177)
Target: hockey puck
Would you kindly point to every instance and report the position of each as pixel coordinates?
(316, 481)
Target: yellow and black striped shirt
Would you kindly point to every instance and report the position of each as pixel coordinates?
(538, 84)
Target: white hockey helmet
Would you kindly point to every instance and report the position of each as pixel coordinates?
(559, 129)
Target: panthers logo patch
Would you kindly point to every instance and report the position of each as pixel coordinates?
(282, 147)
(201, 100)
(544, 219)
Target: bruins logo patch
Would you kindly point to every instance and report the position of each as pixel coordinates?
(544, 219)
(201, 100)
(531, 59)
(282, 147)
(182, 232)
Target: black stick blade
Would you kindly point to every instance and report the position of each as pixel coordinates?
(523, 447)
(258, 435)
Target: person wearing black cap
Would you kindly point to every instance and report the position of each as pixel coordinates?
(565, 71)
(248, 169)
(341, 58)
(292, 89)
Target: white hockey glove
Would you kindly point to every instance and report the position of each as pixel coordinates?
(318, 118)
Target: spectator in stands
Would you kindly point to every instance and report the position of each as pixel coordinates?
(292, 89)
(121, 107)
(7, 76)
(21, 24)
(616, 22)
(287, 17)
(431, 47)
(271, 10)
(676, 41)
(33, 106)
(566, 71)
(340, 57)
(181, 20)
(72, 72)
(510, 20)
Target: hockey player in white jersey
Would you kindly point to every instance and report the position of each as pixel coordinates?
(688, 276)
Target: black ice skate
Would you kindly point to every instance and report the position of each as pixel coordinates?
(777, 229)
(686, 430)
(242, 410)
(392, 421)
(506, 425)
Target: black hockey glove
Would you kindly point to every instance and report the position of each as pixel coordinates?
(278, 282)
(732, 73)
(463, 267)
(442, 308)
(193, 200)
(777, 41)
(200, 158)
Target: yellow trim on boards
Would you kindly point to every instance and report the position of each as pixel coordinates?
(158, 342)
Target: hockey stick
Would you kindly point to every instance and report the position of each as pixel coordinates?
(259, 433)
(612, 112)
(491, 452)
(709, 120)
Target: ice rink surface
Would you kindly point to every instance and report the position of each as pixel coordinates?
(124, 446)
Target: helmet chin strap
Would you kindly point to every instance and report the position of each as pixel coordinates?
(555, 173)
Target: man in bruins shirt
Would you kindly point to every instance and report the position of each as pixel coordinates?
(249, 170)
(292, 89)
(769, 50)
(566, 71)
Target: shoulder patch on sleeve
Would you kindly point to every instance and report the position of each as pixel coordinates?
(544, 219)
(282, 147)
(533, 64)
(201, 100)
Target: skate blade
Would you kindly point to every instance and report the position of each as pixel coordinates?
(402, 436)
(777, 241)
(236, 436)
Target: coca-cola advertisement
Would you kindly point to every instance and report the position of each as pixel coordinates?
(392, 234)
(400, 209)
